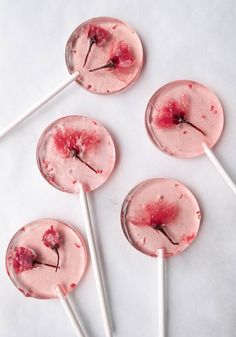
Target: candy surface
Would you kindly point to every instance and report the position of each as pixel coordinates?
(160, 213)
(31, 264)
(181, 115)
(97, 42)
(76, 149)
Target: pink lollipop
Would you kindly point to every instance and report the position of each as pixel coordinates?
(103, 54)
(185, 119)
(107, 52)
(160, 218)
(46, 259)
(76, 154)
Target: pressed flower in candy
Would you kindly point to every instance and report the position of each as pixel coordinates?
(52, 239)
(174, 113)
(74, 144)
(96, 35)
(157, 215)
(121, 57)
(26, 254)
(25, 259)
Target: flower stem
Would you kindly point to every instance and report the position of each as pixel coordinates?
(161, 229)
(194, 126)
(58, 258)
(91, 43)
(110, 64)
(75, 154)
(46, 264)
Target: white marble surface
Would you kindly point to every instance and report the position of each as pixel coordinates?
(182, 40)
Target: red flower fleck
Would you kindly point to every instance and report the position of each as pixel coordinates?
(74, 144)
(199, 214)
(52, 239)
(72, 286)
(96, 35)
(23, 259)
(120, 58)
(157, 215)
(174, 113)
(188, 238)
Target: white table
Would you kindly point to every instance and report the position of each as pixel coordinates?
(182, 40)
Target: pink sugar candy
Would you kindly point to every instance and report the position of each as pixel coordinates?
(200, 106)
(104, 81)
(40, 280)
(155, 201)
(69, 138)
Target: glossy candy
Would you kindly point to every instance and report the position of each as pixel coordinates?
(181, 115)
(39, 279)
(76, 149)
(110, 38)
(160, 213)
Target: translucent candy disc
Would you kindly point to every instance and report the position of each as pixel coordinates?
(160, 213)
(76, 149)
(181, 115)
(101, 41)
(31, 258)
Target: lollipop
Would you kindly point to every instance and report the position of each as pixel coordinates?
(104, 55)
(76, 154)
(46, 259)
(160, 218)
(185, 119)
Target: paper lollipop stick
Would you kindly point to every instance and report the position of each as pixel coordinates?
(219, 167)
(95, 261)
(161, 293)
(95, 43)
(70, 312)
(45, 257)
(76, 154)
(185, 119)
(160, 218)
(45, 99)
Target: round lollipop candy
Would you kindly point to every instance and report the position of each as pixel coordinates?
(104, 55)
(160, 217)
(185, 119)
(76, 154)
(46, 259)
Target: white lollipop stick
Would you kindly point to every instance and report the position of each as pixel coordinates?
(161, 293)
(219, 167)
(95, 262)
(70, 312)
(39, 103)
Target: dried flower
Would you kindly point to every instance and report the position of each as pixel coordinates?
(25, 259)
(96, 35)
(74, 144)
(52, 239)
(175, 113)
(120, 57)
(157, 215)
